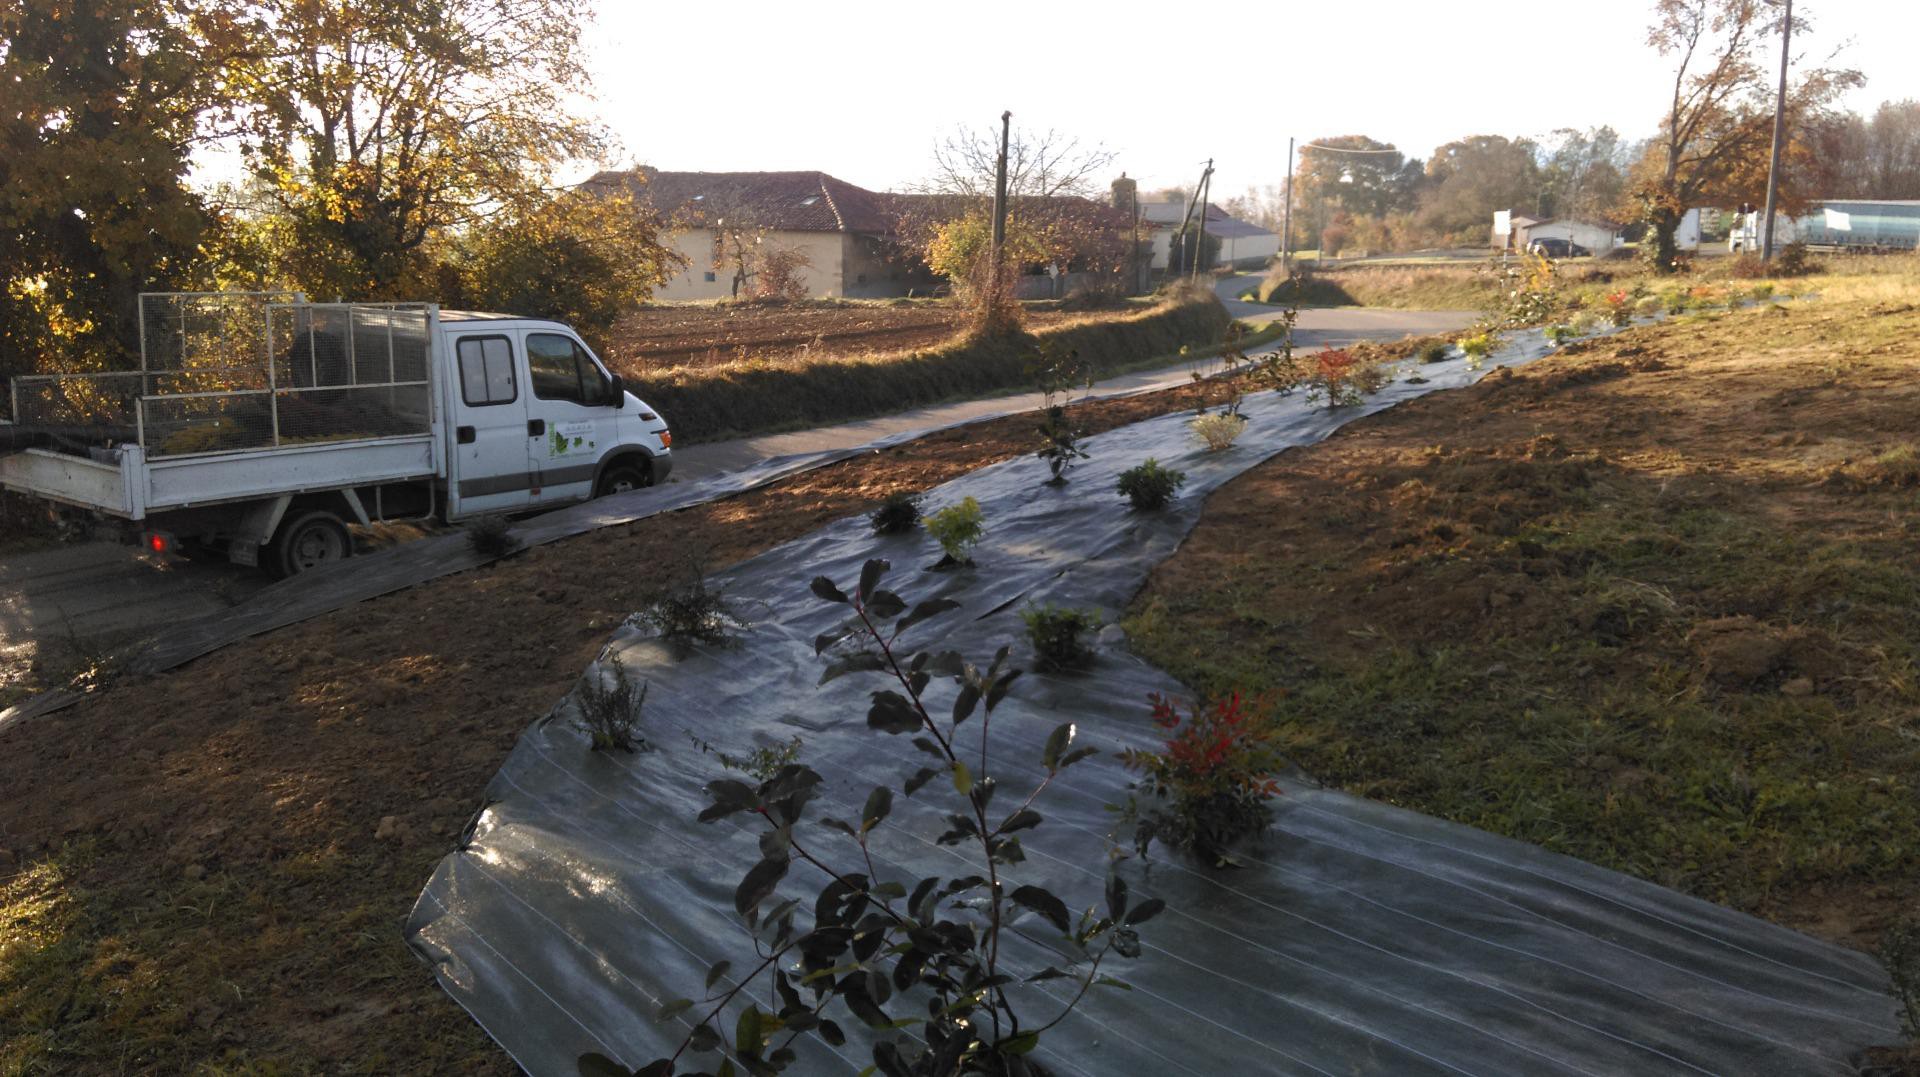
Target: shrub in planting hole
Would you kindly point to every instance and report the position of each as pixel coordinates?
(1218, 430)
(898, 514)
(1060, 444)
(610, 710)
(1209, 788)
(694, 613)
(1149, 486)
(1059, 636)
(490, 536)
(957, 528)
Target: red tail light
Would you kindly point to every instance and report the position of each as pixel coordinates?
(159, 542)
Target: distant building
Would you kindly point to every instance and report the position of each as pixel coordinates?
(852, 237)
(1240, 242)
(1593, 236)
(846, 232)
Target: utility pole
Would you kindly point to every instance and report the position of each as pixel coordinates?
(1181, 239)
(1200, 227)
(1779, 134)
(1286, 218)
(1000, 191)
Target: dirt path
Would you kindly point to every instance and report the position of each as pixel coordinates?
(216, 862)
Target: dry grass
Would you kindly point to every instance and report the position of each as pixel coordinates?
(1649, 603)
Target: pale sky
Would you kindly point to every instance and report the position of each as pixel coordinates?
(863, 89)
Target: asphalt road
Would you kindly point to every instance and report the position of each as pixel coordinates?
(87, 598)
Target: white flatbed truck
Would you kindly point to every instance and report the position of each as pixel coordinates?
(260, 425)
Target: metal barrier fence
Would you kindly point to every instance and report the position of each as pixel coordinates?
(226, 372)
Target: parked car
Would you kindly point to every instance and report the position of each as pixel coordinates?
(1558, 248)
(257, 427)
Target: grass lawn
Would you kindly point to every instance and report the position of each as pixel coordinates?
(1654, 604)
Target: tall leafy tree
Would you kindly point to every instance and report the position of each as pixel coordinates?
(101, 102)
(1714, 142)
(1354, 176)
(379, 126)
(1470, 178)
(1582, 174)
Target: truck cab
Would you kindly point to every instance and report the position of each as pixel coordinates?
(535, 419)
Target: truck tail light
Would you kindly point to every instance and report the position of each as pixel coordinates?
(157, 541)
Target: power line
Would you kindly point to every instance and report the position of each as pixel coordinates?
(1342, 149)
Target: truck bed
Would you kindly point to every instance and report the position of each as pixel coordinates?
(131, 487)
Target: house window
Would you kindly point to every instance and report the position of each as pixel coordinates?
(710, 277)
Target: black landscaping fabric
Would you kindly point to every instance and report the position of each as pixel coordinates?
(1356, 938)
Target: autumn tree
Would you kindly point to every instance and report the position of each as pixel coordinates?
(1714, 142)
(101, 103)
(583, 258)
(380, 126)
(1053, 214)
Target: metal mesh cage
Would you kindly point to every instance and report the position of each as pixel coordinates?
(232, 371)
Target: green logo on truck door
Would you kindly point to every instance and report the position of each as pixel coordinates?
(567, 439)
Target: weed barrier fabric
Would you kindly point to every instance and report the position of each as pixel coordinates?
(1356, 937)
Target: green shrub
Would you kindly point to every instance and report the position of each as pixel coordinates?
(693, 613)
(957, 528)
(1060, 444)
(1559, 334)
(1056, 635)
(610, 713)
(1218, 430)
(1476, 348)
(1436, 352)
(897, 514)
(1150, 486)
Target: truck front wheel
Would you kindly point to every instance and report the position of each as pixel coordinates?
(307, 541)
(623, 476)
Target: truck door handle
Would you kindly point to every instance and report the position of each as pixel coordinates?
(464, 434)
(536, 428)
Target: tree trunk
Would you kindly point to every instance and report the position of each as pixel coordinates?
(1661, 248)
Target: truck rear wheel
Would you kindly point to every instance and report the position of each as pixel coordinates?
(307, 541)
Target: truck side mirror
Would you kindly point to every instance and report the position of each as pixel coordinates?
(619, 390)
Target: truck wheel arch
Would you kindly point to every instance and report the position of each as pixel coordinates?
(623, 456)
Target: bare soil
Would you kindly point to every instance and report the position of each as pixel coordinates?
(213, 866)
(710, 334)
